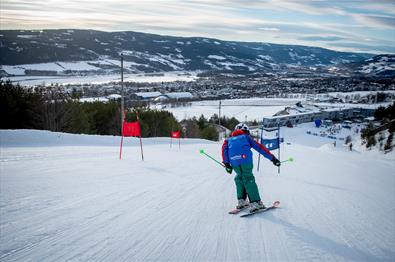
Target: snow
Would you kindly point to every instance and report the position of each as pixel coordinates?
(159, 59)
(57, 45)
(218, 57)
(77, 66)
(228, 65)
(13, 70)
(208, 62)
(253, 108)
(148, 94)
(257, 108)
(69, 197)
(101, 79)
(172, 59)
(377, 67)
(42, 67)
(179, 95)
(93, 99)
(114, 96)
(54, 66)
(26, 36)
(118, 63)
(266, 57)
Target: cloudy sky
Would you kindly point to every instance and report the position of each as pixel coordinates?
(345, 25)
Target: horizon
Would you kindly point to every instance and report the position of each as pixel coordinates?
(359, 26)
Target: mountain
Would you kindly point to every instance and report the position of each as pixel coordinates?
(380, 65)
(74, 51)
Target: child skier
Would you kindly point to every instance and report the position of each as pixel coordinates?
(237, 155)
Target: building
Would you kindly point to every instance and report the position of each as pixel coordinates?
(324, 114)
(145, 95)
(158, 96)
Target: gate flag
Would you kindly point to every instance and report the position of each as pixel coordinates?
(131, 129)
(176, 134)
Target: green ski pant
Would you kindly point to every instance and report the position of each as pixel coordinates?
(245, 183)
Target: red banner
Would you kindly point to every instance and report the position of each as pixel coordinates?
(176, 134)
(131, 129)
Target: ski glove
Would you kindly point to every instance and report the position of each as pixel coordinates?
(276, 162)
(228, 168)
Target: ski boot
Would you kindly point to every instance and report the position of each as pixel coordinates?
(255, 206)
(242, 204)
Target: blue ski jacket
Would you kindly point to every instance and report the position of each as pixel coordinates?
(236, 149)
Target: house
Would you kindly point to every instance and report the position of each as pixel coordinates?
(145, 95)
(179, 95)
(308, 116)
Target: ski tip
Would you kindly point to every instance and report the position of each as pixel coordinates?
(276, 203)
(201, 151)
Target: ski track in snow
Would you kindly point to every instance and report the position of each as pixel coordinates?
(81, 203)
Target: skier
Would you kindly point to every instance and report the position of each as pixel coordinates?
(237, 155)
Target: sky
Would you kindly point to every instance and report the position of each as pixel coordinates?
(347, 25)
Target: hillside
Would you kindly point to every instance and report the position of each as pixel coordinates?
(69, 197)
(60, 52)
(381, 65)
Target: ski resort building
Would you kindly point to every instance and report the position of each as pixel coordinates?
(284, 117)
(158, 96)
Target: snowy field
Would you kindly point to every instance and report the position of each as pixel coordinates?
(248, 109)
(69, 197)
(102, 79)
(252, 108)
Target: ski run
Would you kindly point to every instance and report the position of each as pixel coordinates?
(68, 197)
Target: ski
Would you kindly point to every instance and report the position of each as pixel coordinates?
(237, 210)
(274, 205)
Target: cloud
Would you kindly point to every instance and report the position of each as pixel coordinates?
(322, 38)
(365, 47)
(380, 21)
(274, 29)
(287, 21)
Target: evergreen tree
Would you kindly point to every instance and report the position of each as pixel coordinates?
(20, 107)
(77, 119)
(191, 128)
(202, 122)
(210, 133)
(388, 145)
(371, 141)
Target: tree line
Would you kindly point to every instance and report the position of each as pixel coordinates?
(46, 108)
(372, 135)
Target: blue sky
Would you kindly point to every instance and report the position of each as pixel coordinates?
(348, 25)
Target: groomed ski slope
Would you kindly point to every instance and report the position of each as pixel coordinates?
(68, 197)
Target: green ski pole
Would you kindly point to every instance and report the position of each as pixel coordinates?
(288, 160)
(204, 153)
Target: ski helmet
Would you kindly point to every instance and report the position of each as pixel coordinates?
(243, 127)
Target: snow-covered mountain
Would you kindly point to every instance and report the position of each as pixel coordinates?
(381, 65)
(87, 51)
(68, 197)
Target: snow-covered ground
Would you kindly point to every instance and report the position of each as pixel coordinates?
(101, 79)
(251, 108)
(248, 109)
(69, 197)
